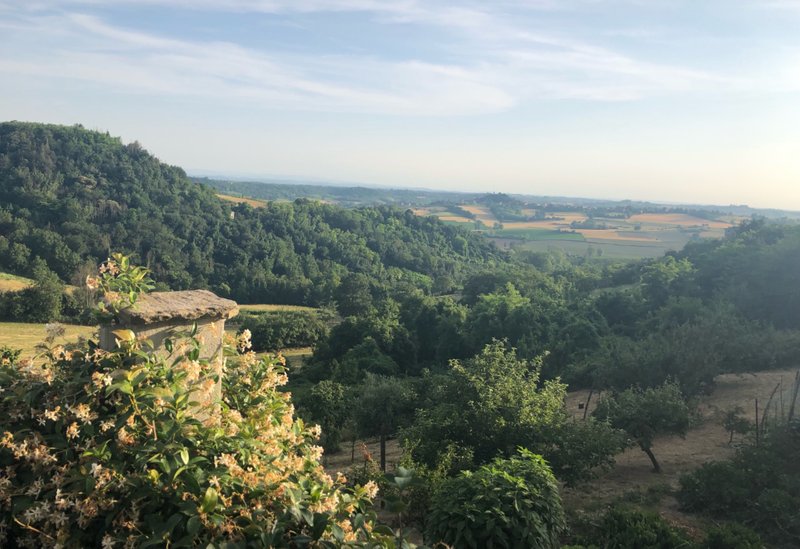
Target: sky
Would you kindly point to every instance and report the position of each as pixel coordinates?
(694, 101)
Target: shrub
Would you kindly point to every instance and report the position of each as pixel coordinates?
(130, 448)
(732, 536)
(276, 330)
(628, 528)
(507, 503)
(759, 487)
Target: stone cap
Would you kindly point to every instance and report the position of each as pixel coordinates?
(183, 305)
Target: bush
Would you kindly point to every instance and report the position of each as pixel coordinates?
(276, 330)
(759, 487)
(732, 536)
(131, 448)
(508, 503)
(628, 528)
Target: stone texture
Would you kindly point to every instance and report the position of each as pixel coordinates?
(185, 305)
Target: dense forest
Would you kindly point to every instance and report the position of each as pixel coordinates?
(429, 335)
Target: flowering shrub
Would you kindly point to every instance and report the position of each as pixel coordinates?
(121, 282)
(113, 449)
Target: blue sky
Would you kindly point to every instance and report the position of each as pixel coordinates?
(681, 101)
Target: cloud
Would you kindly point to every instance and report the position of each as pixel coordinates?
(495, 64)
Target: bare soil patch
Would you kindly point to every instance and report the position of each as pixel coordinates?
(706, 441)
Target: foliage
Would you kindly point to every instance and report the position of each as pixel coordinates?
(121, 282)
(493, 403)
(759, 487)
(630, 528)
(131, 447)
(508, 503)
(8, 356)
(275, 330)
(330, 405)
(732, 536)
(383, 405)
(734, 423)
(41, 302)
(645, 413)
(69, 195)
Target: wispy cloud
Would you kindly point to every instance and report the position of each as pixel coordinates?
(500, 63)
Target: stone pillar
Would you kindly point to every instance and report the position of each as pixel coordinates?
(160, 315)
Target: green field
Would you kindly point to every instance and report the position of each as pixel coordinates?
(535, 233)
(21, 335)
(604, 249)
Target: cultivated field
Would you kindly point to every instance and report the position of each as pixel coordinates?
(639, 236)
(242, 200)
(482, 214)
(21, 335)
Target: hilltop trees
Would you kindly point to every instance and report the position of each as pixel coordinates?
(68, 195)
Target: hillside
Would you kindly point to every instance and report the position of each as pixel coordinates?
(69, 196)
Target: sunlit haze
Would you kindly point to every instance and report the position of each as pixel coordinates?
(676, 101)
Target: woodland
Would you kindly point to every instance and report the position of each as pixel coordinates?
(423, 334)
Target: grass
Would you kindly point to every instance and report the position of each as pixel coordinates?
(269, 307)
(536, 234)
(25, 336)
(12, 283)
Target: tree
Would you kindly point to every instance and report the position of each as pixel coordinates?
(44, 298)
(330, 406)
(384, 404)
(492, 404)
(508, 503)
(646, 413)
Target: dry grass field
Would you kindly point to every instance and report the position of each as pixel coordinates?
(677, 219)
(241, 200)
(268, 307)
(12, 283)
(482, 214)
(606, 234)
(21, 335)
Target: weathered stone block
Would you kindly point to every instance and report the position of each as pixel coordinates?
(161, 315)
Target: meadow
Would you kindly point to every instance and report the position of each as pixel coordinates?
(271, 307)
(25, 336)
(12, 283)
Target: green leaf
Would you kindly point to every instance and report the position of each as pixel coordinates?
(209, 502)
(193, 525)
